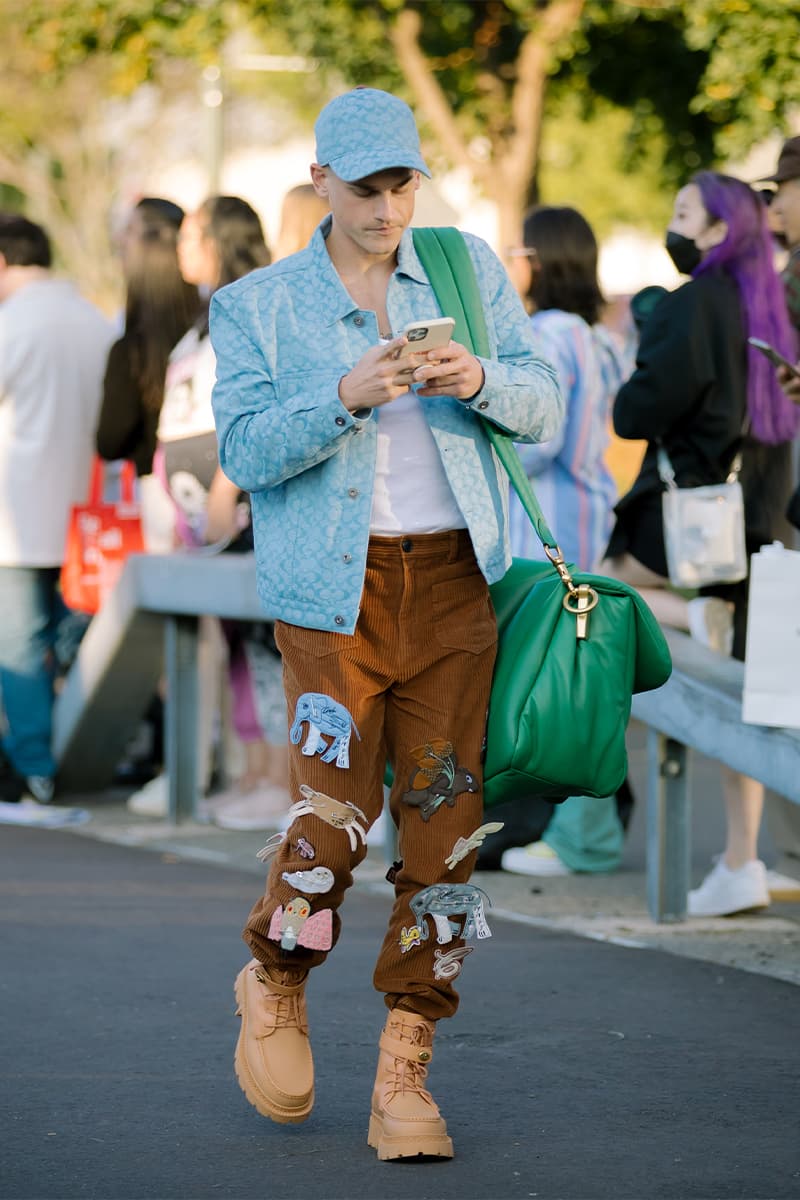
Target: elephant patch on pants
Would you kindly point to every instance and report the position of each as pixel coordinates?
(326, 718)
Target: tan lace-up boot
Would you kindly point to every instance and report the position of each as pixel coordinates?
(273, 1055)
(405, 1121)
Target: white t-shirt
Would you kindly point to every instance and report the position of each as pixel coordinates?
(53, 351)
(412, 493)
(174, 497)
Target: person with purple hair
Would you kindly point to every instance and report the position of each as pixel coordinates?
(704, 394)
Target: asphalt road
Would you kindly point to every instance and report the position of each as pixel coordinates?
(575, 1069)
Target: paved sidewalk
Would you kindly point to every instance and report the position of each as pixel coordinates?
(574, 1069)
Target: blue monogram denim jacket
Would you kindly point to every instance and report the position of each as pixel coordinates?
(284, 336)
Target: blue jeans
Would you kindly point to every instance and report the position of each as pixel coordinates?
(37, 631)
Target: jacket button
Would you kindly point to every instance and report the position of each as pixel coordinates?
(483, 404)
(347, 558)
(352, 493)
(340, 420)
(407, 545)
(358, 320)
(338, 619)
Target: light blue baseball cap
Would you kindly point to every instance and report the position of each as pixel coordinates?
(365, 131)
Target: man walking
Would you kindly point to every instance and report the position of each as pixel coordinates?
(53, 348)
(380, 519)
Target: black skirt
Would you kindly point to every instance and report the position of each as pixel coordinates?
(639, 531)
(766, 477)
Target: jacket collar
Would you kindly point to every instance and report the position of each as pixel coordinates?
(335, 301)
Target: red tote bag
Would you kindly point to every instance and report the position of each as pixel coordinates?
(99, 539)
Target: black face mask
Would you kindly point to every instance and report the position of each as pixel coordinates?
(683, 252)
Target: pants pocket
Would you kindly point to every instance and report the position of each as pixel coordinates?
(463, 617)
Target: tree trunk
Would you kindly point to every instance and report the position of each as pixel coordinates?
(508, 178)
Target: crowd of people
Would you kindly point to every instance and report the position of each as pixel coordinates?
(702, 394)
(270, 406)
(144, 397)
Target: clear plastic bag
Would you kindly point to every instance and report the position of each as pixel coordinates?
(703, 530)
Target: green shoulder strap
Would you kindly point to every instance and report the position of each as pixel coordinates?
(445, 257)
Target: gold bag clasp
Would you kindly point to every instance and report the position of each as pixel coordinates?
(580, 603)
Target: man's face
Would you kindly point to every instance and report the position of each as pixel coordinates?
(373, 212)
(785, 209)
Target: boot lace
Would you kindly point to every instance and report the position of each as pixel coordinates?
(410, 1076)
(285, 1012)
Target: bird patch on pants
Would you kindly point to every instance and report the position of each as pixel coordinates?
(296, 925)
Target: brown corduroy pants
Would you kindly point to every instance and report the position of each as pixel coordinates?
(414, 680)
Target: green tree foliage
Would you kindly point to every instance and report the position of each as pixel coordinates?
(132, 36)
(609, 103)
(55, 161)
(751, 85)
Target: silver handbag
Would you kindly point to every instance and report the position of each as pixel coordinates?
(703, 528)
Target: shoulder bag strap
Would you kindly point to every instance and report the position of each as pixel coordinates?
(450, 270)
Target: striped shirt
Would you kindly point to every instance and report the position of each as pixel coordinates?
(569, 474)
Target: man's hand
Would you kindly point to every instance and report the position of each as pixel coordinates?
(451, 371)
(790, 383)
(378, 377)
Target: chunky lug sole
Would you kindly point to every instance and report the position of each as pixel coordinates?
(390, 1146)
(263, 1103)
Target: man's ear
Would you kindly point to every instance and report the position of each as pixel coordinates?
(319, 179)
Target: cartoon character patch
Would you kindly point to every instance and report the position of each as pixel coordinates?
(296, 926)
(324, 716)
(464, 846)
(442, 902)
(410, 937)
(438, 779)
(273, 845)
(448, 965)
(318, 879)
(341, 815)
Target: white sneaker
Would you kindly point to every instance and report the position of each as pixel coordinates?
(265, 807)
(537, 858)
(45, 816)
(783, 887)
(40, 788)
(711, 623)
(152, 800)
(724, 891)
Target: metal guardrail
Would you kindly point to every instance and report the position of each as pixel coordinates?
(146, 628)
(699, 709)
(149, 626)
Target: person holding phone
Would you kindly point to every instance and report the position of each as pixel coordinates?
(379, 521)
(701, 391)
(789, 379)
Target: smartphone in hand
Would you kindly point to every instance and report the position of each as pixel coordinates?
(774, 357)
(427, 335)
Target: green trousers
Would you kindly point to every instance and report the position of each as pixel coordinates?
(586, 833)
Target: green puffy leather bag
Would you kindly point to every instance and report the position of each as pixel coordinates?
(572, 647)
